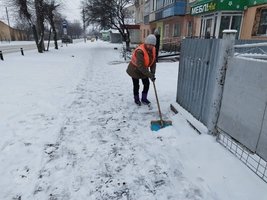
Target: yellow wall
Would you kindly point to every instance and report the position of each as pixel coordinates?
(4, 32)
(248, 23)
(7, 33)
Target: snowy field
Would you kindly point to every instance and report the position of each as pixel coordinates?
(70, 131)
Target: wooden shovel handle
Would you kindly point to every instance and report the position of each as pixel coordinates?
(160, 115)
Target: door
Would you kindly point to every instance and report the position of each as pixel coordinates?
(207, 27)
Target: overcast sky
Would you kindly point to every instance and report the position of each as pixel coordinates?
(70, 9)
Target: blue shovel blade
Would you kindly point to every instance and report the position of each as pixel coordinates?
(157, 125)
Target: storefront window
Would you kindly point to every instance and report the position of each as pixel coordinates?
(235, 25)
(215, 26)
(225, 24)
(230, 22)
(208, 25)
(236, 20)
(262, 30)
(208, 28)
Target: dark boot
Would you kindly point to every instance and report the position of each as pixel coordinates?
(144, 99)
(137, 100)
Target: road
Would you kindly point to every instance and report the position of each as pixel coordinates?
(30, 45)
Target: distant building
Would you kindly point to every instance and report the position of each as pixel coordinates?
(111, 35)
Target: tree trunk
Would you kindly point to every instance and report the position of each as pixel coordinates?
(49, 37)
(127, 40)
(35, 35)
(54, 32)
(40, 24)
(55, 38)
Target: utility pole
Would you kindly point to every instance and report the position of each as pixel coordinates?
(84, 34)
(8, 25)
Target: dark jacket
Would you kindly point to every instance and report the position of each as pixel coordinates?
(139, 71)
(157, 46)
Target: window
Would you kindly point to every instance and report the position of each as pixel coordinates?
(262, 30)
(236, 21)
(208, 29)
(230, 22)
(225, 24)
(166, 30)
(190, 29)
(167, 2)
(176, 30)
(160, 4)
(144, 33)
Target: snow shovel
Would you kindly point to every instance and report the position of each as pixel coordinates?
(158, 124)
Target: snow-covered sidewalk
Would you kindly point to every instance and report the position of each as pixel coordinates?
(69, 130)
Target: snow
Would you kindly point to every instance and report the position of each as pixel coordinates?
(261, 44)
(69, 130)
(15, 43)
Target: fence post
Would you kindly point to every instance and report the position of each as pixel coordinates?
(21, 50)
(226, 51)
(1, 55)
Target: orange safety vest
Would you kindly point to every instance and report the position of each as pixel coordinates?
(147, 62)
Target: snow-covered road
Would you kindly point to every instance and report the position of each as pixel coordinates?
(70, 130)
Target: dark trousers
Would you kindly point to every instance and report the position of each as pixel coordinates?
(136, 86)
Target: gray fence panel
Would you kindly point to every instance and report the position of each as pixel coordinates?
(244, 101)
(262, 145)
(202, 66)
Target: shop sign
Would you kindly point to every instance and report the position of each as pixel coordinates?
(232, 5)
(256, 2)
(203, 8)
(216, 5)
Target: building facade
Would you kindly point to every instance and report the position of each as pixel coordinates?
(255, 21)
(248, 17)
(170, 17)
(142, 17)
(177, 19)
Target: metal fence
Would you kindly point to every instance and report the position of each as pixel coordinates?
(201, 75)
(253, 161)
(246, 48)
(228, 94)
(243, 110)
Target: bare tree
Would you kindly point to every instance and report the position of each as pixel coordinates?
(22, 24)
(109, 14)
(49, 9)
(40, 16)
(23, 8)
(75, 29)
(33, 12)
